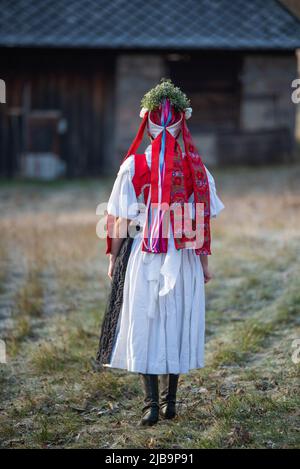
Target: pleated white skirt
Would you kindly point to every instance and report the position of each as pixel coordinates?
(172, 339)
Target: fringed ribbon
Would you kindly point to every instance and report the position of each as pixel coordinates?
(200, 186)
(153, 233)
(164, 147)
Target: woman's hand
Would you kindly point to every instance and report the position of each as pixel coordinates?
(206, 272)
(120, 231)
(111, 266)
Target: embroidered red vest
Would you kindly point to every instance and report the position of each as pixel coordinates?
(181, 189)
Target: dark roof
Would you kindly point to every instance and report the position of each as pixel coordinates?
(149, 24)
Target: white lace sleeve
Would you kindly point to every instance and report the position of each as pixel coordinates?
(216, 205)
(122, 201)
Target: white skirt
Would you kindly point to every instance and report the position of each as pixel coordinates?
(162, 321)
(159, 334)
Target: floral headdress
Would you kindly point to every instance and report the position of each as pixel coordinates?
(167, 99)
(166, 90)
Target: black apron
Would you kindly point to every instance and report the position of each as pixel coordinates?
(113, 305)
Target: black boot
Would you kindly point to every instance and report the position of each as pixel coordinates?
(151, 407)
(168, 387)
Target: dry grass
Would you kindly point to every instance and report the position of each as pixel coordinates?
(52, 293)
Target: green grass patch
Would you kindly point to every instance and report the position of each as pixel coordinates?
(29, 299)
(247, 396)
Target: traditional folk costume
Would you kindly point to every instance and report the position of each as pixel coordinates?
(154, 322)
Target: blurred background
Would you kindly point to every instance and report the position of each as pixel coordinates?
(75, 73)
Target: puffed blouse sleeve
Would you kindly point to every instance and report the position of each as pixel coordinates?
(123, 202)
(216, 205)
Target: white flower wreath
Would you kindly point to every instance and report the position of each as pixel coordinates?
(143, 112)
(187, 112)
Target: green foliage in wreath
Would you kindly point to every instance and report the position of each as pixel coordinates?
(165, 89)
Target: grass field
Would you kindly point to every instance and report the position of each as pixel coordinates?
(53, 287)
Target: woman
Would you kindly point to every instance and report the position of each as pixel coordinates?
(161, 202)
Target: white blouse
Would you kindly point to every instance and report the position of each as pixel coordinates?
(124, 203)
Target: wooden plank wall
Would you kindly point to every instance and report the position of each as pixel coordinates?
(79, 84)
(241, 104)
(211, 80)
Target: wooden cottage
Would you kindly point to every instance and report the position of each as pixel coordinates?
(74, 72)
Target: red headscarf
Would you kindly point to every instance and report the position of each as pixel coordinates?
(166, 152)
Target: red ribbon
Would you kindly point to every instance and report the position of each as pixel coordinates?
(197, 170)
